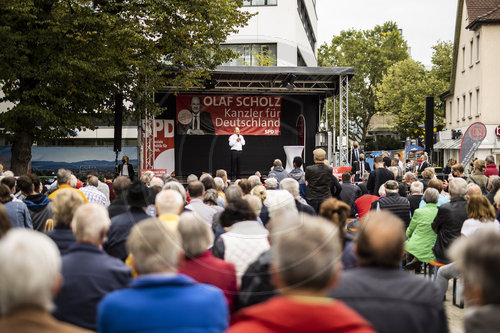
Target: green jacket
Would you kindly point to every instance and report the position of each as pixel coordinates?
(420, 235)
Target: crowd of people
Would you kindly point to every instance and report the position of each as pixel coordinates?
(298, 251)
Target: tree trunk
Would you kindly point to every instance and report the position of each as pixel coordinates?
(21, 152)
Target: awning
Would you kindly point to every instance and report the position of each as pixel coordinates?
(448, 144)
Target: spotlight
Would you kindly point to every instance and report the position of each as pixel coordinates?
(288, 81)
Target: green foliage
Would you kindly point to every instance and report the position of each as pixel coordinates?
(64, 62)
(404, 88)
(371, 53)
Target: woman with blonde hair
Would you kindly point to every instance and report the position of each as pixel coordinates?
(337, 211)
(64, 206)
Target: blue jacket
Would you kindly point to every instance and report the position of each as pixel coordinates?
(63, 237)
(89, 274)
(119, 231)
(164, 303)
(18, 214)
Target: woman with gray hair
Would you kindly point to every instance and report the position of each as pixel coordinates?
(420, 235)
(199, 262)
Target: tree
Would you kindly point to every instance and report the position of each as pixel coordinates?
(371, 53)
(64, 64)
(404, 88)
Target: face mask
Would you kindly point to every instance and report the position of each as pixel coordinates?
(355, 146)
(361, 158)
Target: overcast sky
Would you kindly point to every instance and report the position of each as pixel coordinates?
(424, 22)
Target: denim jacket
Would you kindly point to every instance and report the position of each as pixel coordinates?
(18, 214)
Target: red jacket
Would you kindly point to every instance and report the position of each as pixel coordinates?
(491, 170)
(285, 314)
(364, 203)
(217, 272)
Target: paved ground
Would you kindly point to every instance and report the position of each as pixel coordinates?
(455, 314)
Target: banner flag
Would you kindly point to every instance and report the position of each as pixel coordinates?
(164, 145)
(220, 114)
(471, 141)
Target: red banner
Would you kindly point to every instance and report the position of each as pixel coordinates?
(220, 114)
(159, 149)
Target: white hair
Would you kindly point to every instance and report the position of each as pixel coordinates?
(290, 185)
(219, 183)
(155, 248)
(169, 202)
(31, 264)
(254, 180)
(394, 170)
(472, 189)
(147, 176)
(271, 183)
(382, 191)
(176, 186)
(89, 222)
(73, 181)
(306, 251)
(195, 233)
(280, 202)
(416, 187)
(431, 195)
(457, 187)
(7, 173)
(156, 182)
(409, 176)
(254, 202)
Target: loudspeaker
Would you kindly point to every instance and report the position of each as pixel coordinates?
(429, 124)
(118, 122)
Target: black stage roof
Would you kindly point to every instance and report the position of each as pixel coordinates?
(274, 79)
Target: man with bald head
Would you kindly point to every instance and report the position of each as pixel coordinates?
(391, 299)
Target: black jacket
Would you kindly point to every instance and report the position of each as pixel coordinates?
(118, 206)
(256, 286)
(357, 167)
(130, 168)
(363, 188)
(392, 300)
(447, 225)
(396, 204)
(377, 178)
(303, 208)
(63, 236)
(119, 231)
(349, 194)
(414, 200)
(319, 178)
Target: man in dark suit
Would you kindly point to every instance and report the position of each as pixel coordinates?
(354, 153)
(378, 176)
(360, 167)
(201, 121)
(424, 164)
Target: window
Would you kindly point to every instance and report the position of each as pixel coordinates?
(478, 104)
(477, 47)
(458, 109)
(463, 58)
(260, 2)
(451, 112)
(463, 106)
(471, 52)
(253, 54)
(470, 104)
(306, 22)
(300, 60)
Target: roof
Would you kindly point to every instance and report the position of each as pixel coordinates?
(448, 144)
(482, 11)
(479, 12)
(274, 79)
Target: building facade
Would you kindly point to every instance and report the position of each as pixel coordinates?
(282, 33)
(475, 82)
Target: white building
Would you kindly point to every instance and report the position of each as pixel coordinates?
(284, 30)
(475, 83)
